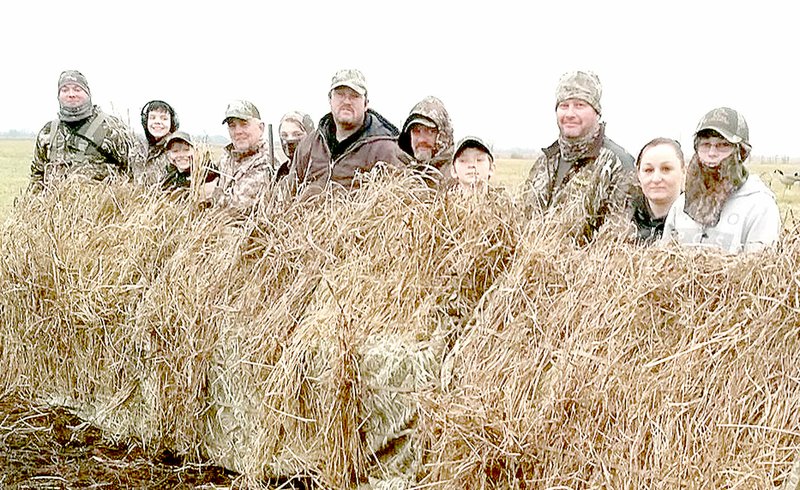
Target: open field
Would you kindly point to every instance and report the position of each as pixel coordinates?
(15, 158)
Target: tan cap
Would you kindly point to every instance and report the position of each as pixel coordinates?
(178, 136)
(241, 109)
(472, 142)
(425, 121)
(350, 78)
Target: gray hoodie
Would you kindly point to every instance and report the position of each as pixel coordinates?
(750, 220)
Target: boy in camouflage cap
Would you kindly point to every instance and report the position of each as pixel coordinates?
(473, 165)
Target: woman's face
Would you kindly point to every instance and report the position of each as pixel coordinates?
(158, 123)
(661, 174)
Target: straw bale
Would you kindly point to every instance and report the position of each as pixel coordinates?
(623, 367)
(76, 262)
(370, 327)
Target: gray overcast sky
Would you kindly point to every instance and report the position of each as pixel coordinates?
(495, 63)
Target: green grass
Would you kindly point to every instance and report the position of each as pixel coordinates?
(15, 168)
(15, 158)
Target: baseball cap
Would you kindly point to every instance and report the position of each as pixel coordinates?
(178, 136)
(472, 142)
(727, 122)
(350, 78)
(241, 109)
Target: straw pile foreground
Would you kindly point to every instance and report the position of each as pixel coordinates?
(395, 337)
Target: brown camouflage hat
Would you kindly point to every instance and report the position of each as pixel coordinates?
(425, 121)
(178, 136)
(350, 78)
(728, 123)
(76, 77)
(472, 142)
(583, 85)
(241, 109)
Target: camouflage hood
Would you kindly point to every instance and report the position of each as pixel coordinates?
(433, 109)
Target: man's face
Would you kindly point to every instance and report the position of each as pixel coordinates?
(180, 154)
(576, 118)
(423, 141)
(290, 133)
(245, 133)
(712, 150)
(348, 107)
(72, 95)
(158, 123)
(472, 166)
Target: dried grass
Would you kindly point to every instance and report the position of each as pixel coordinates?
(393, 337)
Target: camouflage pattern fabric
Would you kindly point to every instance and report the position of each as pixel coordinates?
(432, 108)
(583, 85)
(153, 169)
(245, 177)
(57, 156)
(597, 186)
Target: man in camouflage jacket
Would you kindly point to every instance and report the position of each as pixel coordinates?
(83, 140)
(349, 140)
(247, 170)
(583, 173)
(427, 136)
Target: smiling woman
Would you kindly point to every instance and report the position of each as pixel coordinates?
(661, 172)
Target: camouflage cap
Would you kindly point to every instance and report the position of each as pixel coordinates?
(76, 77)
(583, 85)
(178, 136)
(241, 109)
(350, 78)
(728, 123)
(425, 121)
(472, 142)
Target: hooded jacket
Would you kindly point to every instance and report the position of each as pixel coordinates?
(375, 142)
(431, 108)
(749, 221)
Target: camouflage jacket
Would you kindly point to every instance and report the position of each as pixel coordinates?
(438, 167)
(155, 166)
(244, 177)
(99, 147)
(313, 166)
(594, 188)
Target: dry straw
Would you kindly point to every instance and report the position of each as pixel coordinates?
(394, 337)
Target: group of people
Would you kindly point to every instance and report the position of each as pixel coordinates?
(711, 200)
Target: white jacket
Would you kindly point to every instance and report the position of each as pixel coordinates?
(750, 220)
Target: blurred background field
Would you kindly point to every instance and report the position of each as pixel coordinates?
(15, 158)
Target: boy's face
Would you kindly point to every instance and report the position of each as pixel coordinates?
(180, 154)
(472, 167)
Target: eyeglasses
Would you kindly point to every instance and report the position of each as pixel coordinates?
(719, 146)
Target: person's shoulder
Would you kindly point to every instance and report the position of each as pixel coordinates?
(620, 152)
(550, 151)
(755, 188)
(47, 128)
